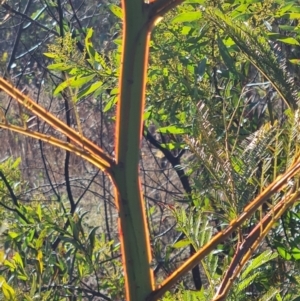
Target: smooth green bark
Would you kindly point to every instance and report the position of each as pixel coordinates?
(133, 227)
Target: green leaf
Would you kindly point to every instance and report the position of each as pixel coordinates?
(2, 256)
(100, 59)
(114, 91)
(17, 258)
(290, 41)
(59, 66)
(243, 284)
(22, 277)
(39, 258)
(89, 45)
(30, 235)
(74, 82)
(172, 129)
(295, 61)
(147, 115)
(229, 62)
(13, 234)
(51, 55)
(187, 17)
(284, 9)
(92, 239)
(11, 265)
(75, 71)
(7, 290)
(116, 10)
(287, 27)
(173, 145)
(185, 30)
(16, 163)
(284, 253)
(33, 284)
(39, 211)
(293, 15)
(110, 104)
(182, 243)
(261, 259)
(61, 265)
(201, 67)
(90, 89)
(61, 87)
(39, 242)
(77, 82)
(296, 253)
(72, 241)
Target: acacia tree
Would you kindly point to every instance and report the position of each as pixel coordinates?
(138, 21)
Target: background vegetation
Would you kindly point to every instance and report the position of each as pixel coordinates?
(220, 124)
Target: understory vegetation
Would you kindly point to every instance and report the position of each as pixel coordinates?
(220, 134)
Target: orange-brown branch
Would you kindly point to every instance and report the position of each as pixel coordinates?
(56, 142)
(251, 243)
(39, 111)
(277, 185)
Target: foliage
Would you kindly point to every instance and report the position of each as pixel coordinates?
(246, 146)
(82, 68)
(222, 110)
(41, 258)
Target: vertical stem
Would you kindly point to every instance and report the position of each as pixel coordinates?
(133, 228)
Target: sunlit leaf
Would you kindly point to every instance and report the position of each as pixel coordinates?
(17, 258)
(40, 261)
(51, 55)
(16, 163)
(110, 103)
(296, 253)
(39, 211)
(182, 243)
(74, 82)
(284, 253)
(89, 90)
(13, 234)
(116, 10)
(7, 290)
(2, 256)
(172, 129)
(187, 17)
(295, 61)
(290, 41)
(59, 66)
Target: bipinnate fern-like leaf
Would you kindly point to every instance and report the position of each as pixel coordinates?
(257, 49)
(233, 176)
(257, 262)
(270, 294)
(252, 271)
(243, 284)
(292, 136)
(254, 153)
